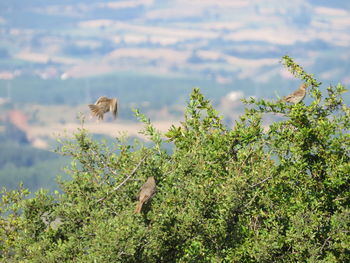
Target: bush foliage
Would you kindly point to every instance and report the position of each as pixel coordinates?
(247, 193)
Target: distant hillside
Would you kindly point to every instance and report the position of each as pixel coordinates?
(230, 39)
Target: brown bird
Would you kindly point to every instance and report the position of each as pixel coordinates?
(297, 96)
(147, 191)
(103, 105)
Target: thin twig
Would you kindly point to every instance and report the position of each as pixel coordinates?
(126, 179)
(324, 243)
(251, 200)
(243, 162)
(268, 178)
(131, 174)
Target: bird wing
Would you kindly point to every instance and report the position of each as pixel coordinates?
(144, 197)
(288, 97)
(147, 190)
(96, 111)
(291, 96)
(114, 107)
(102, 99)
(300, 92)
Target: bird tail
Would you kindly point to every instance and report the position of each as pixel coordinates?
(96, 111)
(138, 208)
(114, 107)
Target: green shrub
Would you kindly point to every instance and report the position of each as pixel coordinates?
(246, 194)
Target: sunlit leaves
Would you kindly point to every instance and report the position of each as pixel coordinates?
(245, 193)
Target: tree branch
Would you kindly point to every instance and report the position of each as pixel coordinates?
(131, 174)
(268, 178)
(126, 179)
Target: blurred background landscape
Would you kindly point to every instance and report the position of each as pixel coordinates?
(58, 56)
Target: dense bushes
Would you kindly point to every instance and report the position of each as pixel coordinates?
(224, 194)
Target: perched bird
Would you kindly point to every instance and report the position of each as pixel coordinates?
(297, 96)
(103, 105)
(147, 191)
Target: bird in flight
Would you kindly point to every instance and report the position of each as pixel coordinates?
(297, 96)
(103, 105)
(147, 191)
